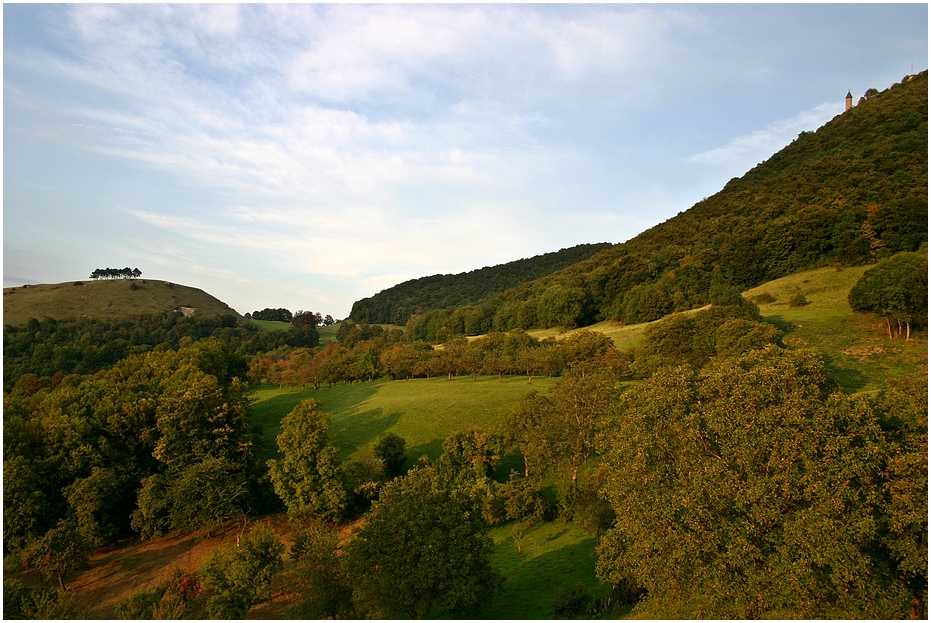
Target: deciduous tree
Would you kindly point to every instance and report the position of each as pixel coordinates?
(307, 479)
(423, 546)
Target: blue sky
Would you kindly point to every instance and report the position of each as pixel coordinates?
(307, 156)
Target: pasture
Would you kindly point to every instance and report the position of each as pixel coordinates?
(422, 411)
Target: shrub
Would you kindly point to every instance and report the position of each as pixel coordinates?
(798, 300)
(765, 298)
(574, 603)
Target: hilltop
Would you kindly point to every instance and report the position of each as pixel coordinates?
(107, 300)
(852, 192)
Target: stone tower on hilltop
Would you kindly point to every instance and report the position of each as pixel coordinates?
(848, 101)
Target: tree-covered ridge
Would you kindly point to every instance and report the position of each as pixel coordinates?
(852, 192)
(398, 303)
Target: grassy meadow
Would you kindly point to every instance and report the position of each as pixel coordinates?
(855, 346)
(111, 298)
(423, 411)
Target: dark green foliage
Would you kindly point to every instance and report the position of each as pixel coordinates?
(798, 300)
(239, 576)
(279, 314)
(318, 577)
(903, 409)
(391, 450)
(397, 304)
(422, 550)
(473, 450)
(854, 191)
(523, 499)
(307, 479)
(20, 602)
(170, 425)
(303, 330)
(350, 333)
(896, 288)
(749, 489)
(51, 348)
(576, 602)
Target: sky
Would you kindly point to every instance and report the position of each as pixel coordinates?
(307, 156)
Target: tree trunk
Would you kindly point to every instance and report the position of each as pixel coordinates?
(918, 608)
(526, 467)
(61, 583)
(908, 331)
(889, 326)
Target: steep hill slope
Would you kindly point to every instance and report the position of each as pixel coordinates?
(398, 303)
(851, 192)
(106, 299)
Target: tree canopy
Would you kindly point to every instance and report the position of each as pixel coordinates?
(749, 489)
(422, 546)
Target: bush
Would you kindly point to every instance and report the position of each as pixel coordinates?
(765, 298)
(574, 603)
(798, 300)
(391, 449)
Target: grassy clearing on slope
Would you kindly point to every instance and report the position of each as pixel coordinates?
(855, 346)
(271, 325)
(422, 411)
(554, 557)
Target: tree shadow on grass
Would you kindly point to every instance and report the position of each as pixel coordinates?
(533, 582)
(432, 449)
(359, 428)
(780, 323)
(850, 379)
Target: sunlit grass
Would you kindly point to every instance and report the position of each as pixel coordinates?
(855, 346)
(422, 411)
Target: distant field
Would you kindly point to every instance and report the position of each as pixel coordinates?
(855, 346)
(105, 299)
(271, 325)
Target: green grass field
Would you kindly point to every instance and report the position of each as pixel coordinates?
(271, 325)
(422, 411)
(553, 557)
(855, 346)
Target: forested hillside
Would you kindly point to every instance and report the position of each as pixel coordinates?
(852, 192)
(397, 304)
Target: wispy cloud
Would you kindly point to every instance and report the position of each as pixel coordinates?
(761, 144)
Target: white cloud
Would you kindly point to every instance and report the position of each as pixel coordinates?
(761, 144)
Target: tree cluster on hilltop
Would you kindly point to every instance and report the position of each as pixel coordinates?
(116, 273)
(398, 303)
(852, 192)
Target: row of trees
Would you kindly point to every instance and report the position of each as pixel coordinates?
(282, 314)
(116, 273)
